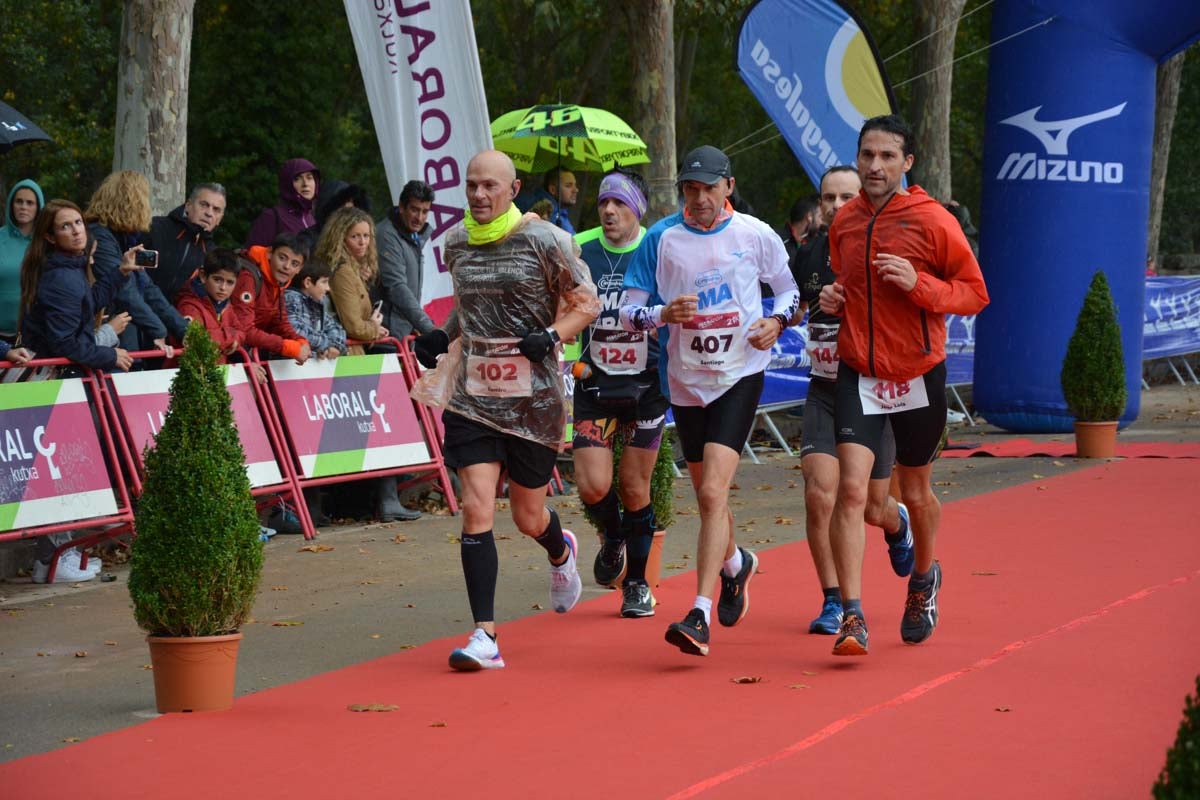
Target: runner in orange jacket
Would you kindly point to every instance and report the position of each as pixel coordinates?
(901, 263)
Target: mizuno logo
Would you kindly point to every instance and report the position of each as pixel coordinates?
(1056, 143)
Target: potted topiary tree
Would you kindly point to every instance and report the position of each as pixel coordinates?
(1093, 373)
(196, 557)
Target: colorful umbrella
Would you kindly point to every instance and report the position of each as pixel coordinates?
(15, 129)
(576, 138)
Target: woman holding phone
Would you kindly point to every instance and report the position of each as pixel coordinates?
(118, 216)
(348, 245)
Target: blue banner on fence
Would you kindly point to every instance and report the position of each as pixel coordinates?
(1172, 326)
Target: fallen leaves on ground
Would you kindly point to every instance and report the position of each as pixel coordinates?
(147, 666)
(1003, 709)
(783, 520)
(376, 636)
(536, 606)
(766, 487)
(72, 739)
(286, 624)
(747, 679)
(665, 566)
(1059, 463)
(368, 582)
(438, 724)
(799, 686)
(796, 466)
(81, 653)
(808, 672)
(399, 538)
(315, 548)
(111, 644)
(983, 573)
(279, 588)
(358, 707)
(734, 486)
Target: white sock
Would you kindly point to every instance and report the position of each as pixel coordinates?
(705, 605)
(733, 564)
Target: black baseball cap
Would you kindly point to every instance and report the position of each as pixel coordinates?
(705, 164)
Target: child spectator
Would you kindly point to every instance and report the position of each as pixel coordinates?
(309, 312)
(118, 215)
(299, 182)
(348, 245)
(24, 202)
(207, 298)
(258, 297)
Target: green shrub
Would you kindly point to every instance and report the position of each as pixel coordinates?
(662, 482)
(196, 557)
(1093, 371)
(1180, 777)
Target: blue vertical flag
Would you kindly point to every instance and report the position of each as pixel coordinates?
(812, 66)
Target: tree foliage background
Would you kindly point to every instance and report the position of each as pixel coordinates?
(272, 81)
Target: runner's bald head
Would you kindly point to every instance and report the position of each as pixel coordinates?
(491, 185)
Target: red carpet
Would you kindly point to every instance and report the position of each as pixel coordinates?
(1070, 635)
(1024, 448)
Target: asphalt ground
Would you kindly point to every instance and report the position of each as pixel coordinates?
(73, 664)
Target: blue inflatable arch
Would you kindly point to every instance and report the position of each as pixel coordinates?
(1067, 152)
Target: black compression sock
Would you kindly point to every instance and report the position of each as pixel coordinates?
(552, 540)
(607, 512)
(481, 565)
(639, 528)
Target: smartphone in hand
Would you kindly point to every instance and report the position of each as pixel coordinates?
(147, 259)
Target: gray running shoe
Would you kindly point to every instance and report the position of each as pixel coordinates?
(636, 600)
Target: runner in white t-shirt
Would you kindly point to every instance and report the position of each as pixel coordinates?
(698, 273)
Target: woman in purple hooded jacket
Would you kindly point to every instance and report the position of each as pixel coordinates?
(299, 181)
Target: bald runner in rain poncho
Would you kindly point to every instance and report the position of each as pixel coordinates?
(519, 289)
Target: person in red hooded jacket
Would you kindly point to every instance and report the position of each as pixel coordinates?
(901, 263)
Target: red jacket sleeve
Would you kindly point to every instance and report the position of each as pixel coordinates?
(960, 289)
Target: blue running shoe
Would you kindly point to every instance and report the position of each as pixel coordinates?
(900, 546)
(830, 620)
(921, 608)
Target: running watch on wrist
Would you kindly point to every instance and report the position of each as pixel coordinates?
(783, 322)
(554, 337)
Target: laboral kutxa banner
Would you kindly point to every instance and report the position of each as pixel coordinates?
(143, 398)
(349, 414)
(53, 468)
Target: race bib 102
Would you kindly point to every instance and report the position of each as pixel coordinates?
(496, 368)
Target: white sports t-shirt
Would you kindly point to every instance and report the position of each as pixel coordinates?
(723, 267)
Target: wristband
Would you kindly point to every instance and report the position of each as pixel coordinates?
(783, 322)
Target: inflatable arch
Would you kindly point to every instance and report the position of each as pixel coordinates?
(1067, 152)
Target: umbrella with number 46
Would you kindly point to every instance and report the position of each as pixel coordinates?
(576, 138)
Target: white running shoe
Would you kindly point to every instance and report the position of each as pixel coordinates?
(68, 569)
(565, 584)
(481, 652)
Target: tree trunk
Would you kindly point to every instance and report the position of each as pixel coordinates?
(152, 96)
(1166, 103)
(683, 81)
(653, 43)
(931, 94)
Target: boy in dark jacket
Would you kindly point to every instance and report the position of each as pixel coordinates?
(258, 297)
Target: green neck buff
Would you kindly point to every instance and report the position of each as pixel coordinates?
(492, 231)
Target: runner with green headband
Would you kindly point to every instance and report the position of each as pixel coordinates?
(519, 289)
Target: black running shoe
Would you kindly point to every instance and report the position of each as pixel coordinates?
(636, 600)
(691, 635)
(610, 567)
(852, 638)
(734, 601)
(921, 608)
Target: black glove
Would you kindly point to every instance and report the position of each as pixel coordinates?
(537, 345)
(428, 346)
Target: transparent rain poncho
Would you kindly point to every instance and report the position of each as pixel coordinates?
(502, 291)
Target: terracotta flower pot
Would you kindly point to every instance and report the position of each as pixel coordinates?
(1095, 439)
(194, 673)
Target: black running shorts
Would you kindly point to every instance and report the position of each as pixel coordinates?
(726, 420)
(918, 432)
(467, 442)
(818, 429)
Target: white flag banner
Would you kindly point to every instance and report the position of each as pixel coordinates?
(420, 67)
